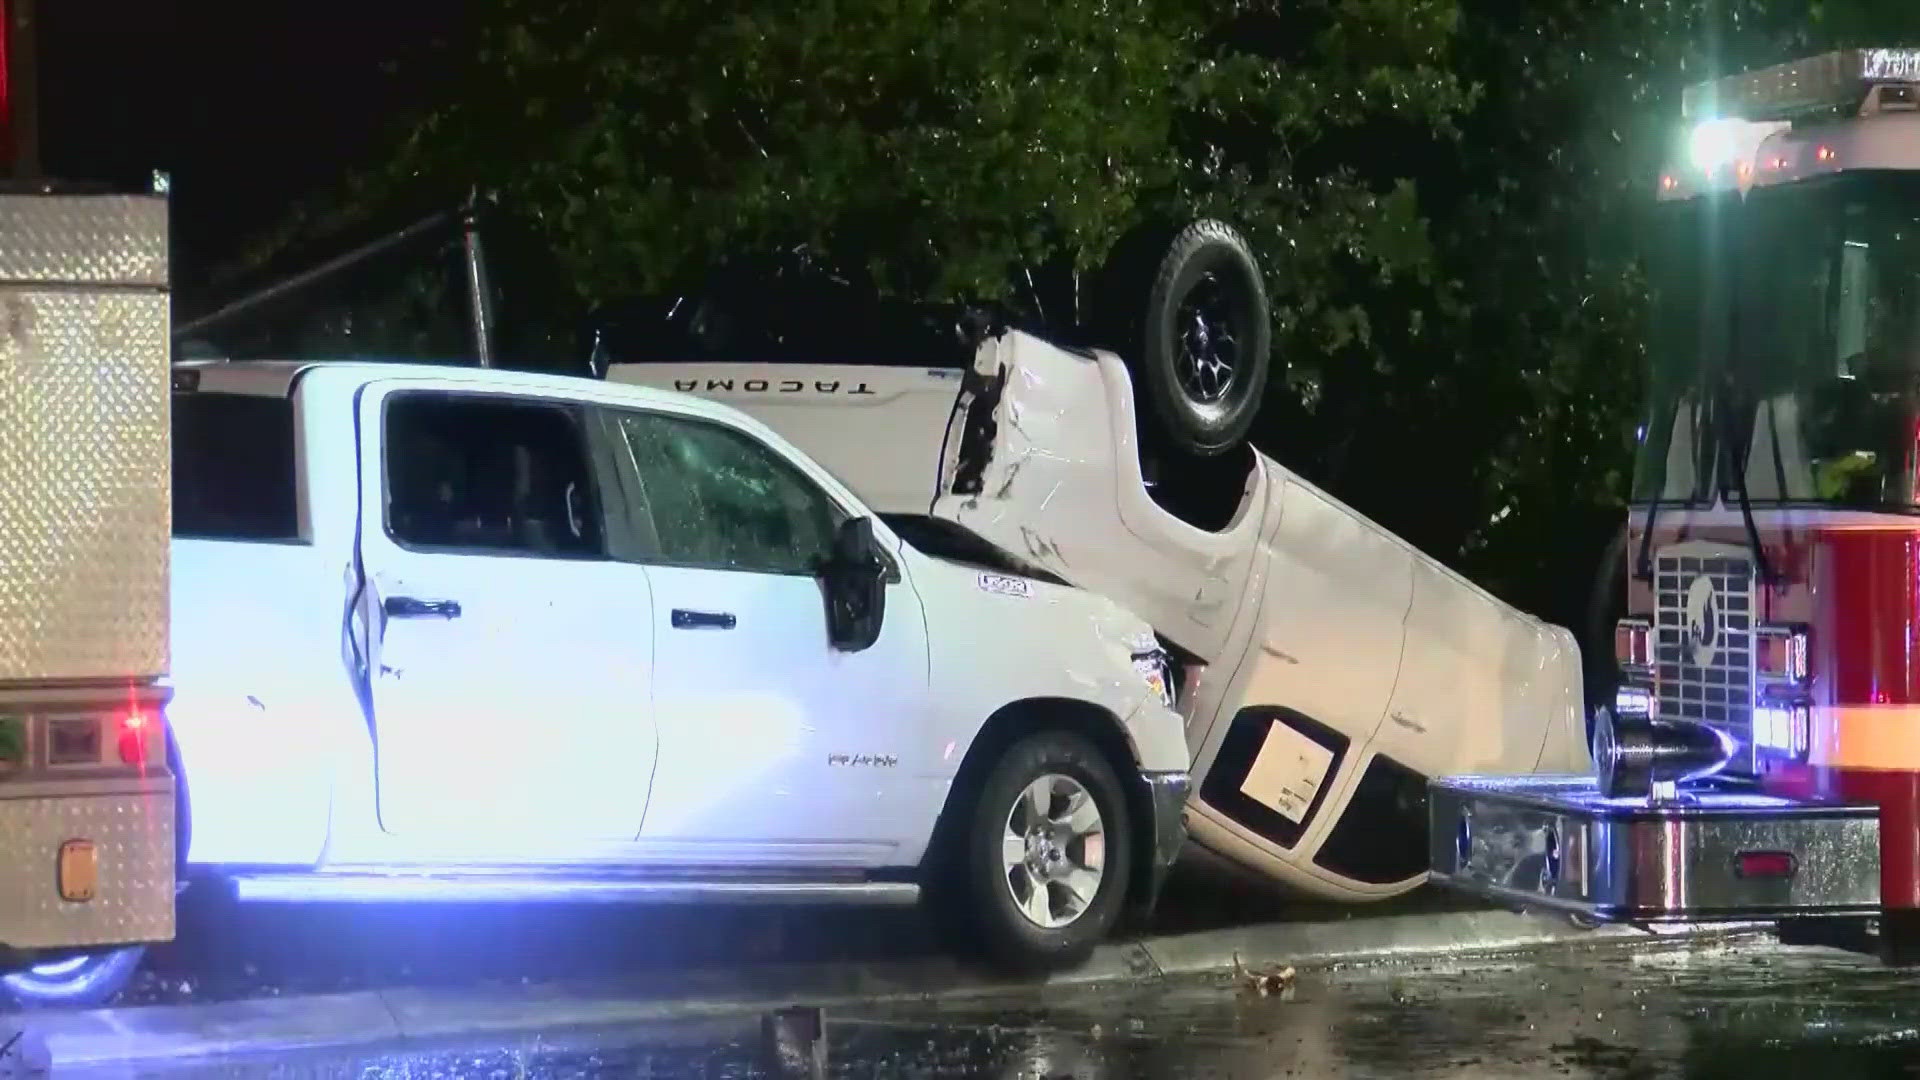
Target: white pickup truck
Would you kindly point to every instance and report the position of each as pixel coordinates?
(446, 633)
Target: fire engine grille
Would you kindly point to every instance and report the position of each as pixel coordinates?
(1703, 649)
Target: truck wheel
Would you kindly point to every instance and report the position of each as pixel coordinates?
(1047, 852)
(85, 981)
(1204, 340)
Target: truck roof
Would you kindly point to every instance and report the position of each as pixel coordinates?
(278, 378)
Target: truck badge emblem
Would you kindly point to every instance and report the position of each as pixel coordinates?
(1005, 585)
(1703, 621)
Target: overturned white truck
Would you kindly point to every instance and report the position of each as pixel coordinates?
(1329, 668)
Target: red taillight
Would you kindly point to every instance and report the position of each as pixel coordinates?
(133, 737)
(1780, 652)
(1764, 864)
(1633, 643)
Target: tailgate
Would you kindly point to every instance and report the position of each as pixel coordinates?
(879, 429)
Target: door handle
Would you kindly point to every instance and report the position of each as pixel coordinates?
(702, 620)
(407, 607)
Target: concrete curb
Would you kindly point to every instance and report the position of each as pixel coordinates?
(407, 1015)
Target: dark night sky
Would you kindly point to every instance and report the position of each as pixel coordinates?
(248, 105)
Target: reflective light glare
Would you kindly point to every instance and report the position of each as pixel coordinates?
(1781, 653)
(1632, 701)
(1824, 154)
(1712, 143)
(1632, 643)
(1785, 728)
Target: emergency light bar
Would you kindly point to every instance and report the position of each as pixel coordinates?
(1830, 82)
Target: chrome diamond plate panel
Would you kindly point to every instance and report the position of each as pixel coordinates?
(85, 514)
(84, 240)
(84, 459)
(134, 902)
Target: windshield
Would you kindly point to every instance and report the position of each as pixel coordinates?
(1786, 342)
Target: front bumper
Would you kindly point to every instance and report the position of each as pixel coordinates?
(1718, 854)
(130, 829)
(1166, 799)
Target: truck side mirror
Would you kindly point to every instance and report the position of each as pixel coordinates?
(853, 578)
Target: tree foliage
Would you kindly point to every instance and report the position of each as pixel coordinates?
(938, 146)
(1445, 193)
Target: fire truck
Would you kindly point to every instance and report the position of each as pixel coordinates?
(87, 807)
(1760, 757)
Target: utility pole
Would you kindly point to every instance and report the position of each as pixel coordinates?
(19, 88)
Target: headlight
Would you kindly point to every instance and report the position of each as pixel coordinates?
(1156, 670)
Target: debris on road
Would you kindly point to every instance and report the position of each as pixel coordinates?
(1267, 982)
(793, 1043)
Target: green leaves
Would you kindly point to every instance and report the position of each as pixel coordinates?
(936, 146)
(1445, 193)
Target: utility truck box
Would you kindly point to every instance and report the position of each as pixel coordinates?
(87, 810)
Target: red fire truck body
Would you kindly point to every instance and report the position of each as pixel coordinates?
(1761, 757)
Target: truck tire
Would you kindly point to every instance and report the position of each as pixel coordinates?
(1046, 853)
(1198, 337)
(85, 981)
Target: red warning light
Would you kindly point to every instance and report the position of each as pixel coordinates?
(1764, 864)
(133, 737)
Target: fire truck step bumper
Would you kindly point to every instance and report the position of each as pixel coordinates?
(1716, 855)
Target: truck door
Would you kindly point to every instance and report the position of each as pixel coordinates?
(774, 745)
(508, 655)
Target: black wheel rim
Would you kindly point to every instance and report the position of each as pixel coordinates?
(1207, 341)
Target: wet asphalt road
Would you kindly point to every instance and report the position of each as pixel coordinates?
(226, 951)
(1752, 1012)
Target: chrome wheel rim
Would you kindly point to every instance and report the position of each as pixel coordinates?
(1053, 851)
(1207, 348)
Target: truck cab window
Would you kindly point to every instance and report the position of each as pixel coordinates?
(494, 475)
(233, 467)
(719, 499)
